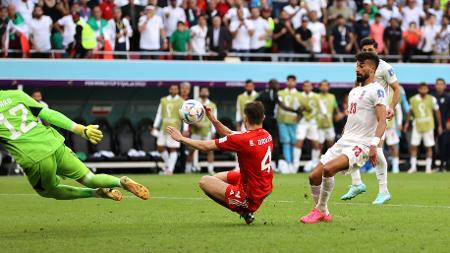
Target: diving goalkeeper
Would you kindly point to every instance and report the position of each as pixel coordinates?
(41, 152)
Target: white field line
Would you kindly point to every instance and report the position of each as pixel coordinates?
(271, 201)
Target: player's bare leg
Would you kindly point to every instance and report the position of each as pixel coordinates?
(381, 171)
(413, 160)
(215, 187)
(297, 155)
(222, 176)
(326, 180)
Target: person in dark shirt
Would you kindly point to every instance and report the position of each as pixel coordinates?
(443, 99)
(284, 36)
(341, 39)
(392, 37)
(269, 98)
(3, 24)
(303, 37)
(362, 29)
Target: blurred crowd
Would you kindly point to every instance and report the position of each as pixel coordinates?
(187, 29)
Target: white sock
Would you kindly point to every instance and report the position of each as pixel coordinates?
(325, 193)
(188, 167)
(297, 154)
(381, 171)
(428, 163)
(413, 162)
(356, 177)
(315, 192)
(172, 161)
(395, 164)
(210, 168)
(315, 154)
(165, 158)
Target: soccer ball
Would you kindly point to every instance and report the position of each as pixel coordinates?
(191, 111)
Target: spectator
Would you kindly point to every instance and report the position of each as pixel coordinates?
(340, 8)
(199, 33)
(303, 37)
(362, 29)
(393, 37)
(443, 41)
(370, 9)
(266, 12)
(98, 24)
(319, 6)
(262, 31)
(211, 11)
(37, 95)
(185, 90)
(232, 14)
(152, 32)
(82, 46)
(341, 38)
(241, 31)
(172, 15)
(436, 11)
(3, 26)
(40, 27)
(159, 11)
(219, 39)
(295, 13)
(119, 31)
(193, 13)
(66, 26)
(284, 36)
(377, 32)
(17, 27)
(54, 9)
(318, 32)
(180, 41)
(222, 7)
(428, 41)
(411, 13)
(132, 13)
(443, 100)
(389, 12)
(25, 8)
(278, 6)
(85, 10)
(411, 39)
(107, 7)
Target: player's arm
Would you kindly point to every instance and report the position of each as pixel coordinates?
(408, 118)
(437, 115)
(380, 112)
(197, 144)
(280, 103)
(395, 99)
(158, 118)
(220, 128)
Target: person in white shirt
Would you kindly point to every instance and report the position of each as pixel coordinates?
(198, 36)
(261, 34)
(172, 15)
(319, 6)
(318, 31)
(295, 13)
(428, 40)
(40, 27)
(25, 8)
(443, 40)
(67, 27)
(241, 31)
(152, 32)
(119, 32)
(232, 13)
(436, 11)
(411, 13)
(388, 12)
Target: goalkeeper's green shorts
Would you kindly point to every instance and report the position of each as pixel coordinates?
(45, 174)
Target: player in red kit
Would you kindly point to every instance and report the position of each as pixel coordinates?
(242, 192)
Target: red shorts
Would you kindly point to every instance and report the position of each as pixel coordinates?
(235, 196)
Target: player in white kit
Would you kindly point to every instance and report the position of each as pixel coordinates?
(386, 77)
(365, 126)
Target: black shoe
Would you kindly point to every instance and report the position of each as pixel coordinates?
(248, 217)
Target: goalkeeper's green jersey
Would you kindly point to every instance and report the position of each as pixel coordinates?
(27, 140)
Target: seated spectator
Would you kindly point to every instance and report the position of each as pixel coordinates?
(152, 32)
(370, 9)
(66, 26)
(107, 7)
(295, 13)
(119, 31)
(318, 32)
(411, 13)
(392, 38)
(172, 15)
(411, 37)
(261, 32)
(232, 14)
(428, 40)
(98, 24)
(199, 33)
(389, 12)
(303, 37)
(132, 12)
(320, 7)
(180, 41)
(241, 31)
(284, 36)
(377, 32)
(341, 38)
(362, 29)
(443, 40)
(219, 39)
(192, 13)
(40, 27)
(340, 8)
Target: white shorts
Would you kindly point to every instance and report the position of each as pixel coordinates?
(307, 130)
(201, 138)
(356, 153)
(428, 138)
(391, 137)
(326, 134)
(166, 141)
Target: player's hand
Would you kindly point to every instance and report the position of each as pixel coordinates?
(373, 155)
(209, 113)
(90, 133)
(390, 113)
(174, 133)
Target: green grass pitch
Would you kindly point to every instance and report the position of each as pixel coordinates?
(179, 218)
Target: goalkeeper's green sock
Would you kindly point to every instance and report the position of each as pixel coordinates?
(92, 180)
(66, 192)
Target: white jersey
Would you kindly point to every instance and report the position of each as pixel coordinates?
(362, 121)
(385, 75)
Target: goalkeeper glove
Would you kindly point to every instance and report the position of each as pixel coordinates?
(90, 133)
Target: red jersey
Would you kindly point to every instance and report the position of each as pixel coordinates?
(254, 150)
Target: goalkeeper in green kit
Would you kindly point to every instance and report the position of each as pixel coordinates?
(41, 152)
